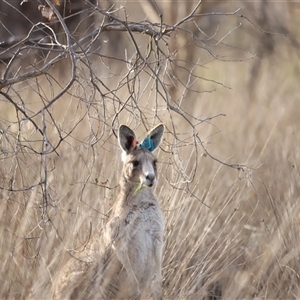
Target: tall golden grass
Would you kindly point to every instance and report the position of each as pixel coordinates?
(230, 233)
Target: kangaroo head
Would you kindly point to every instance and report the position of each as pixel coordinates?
(139, 162)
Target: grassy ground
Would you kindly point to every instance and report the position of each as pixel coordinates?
(230, 233)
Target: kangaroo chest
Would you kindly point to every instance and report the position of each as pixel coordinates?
(142, 219)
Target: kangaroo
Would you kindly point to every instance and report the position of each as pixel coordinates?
(125, 259)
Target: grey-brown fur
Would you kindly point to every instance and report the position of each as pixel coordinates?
(124, 261)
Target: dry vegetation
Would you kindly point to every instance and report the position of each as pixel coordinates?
(229, 164)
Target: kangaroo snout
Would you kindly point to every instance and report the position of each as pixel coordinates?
(150, 179)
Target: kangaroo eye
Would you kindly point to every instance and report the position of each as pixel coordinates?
(135, 163)
(154, 163)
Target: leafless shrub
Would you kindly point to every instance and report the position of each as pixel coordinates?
(103, 93)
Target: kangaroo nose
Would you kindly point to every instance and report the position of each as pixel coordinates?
(150, 177)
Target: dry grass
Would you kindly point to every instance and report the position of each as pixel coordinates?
(229, 234)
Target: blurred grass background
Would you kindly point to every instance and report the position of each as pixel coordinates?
(230, 234)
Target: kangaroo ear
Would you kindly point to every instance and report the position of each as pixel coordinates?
(153, 139)
(127, 140)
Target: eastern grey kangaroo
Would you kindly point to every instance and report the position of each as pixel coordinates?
(124, 260)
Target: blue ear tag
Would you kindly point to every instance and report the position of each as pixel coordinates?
(147, 143)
